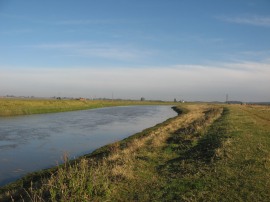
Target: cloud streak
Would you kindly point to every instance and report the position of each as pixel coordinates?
(102, 50)
(252, 20)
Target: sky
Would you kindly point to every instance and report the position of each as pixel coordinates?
(157, 49)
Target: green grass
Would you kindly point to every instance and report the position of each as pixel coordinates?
(12, 107)
(230, 163)
(244, 171)
(208, 153)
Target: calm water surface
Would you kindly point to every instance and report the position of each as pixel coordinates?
(30, 143)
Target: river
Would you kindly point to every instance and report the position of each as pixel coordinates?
(34, 142)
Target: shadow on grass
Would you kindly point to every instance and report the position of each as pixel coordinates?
(207, 145)
(196, 149)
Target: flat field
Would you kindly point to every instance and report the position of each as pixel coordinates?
(207, 153)
(13, 107)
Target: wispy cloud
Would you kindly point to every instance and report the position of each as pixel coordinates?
(252, 20)
(262, 55)
(204, 40)
(101, 50)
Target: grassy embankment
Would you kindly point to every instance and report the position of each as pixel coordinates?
(12, 107)
(209, 153)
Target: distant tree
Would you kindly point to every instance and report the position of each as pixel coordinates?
(175, 100)
(142, 99)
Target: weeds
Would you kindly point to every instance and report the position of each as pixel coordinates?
(85, 180)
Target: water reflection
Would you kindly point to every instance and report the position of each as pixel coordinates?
(29, 143)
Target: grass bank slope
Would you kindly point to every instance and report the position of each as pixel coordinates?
(208, 153)
(12, 107)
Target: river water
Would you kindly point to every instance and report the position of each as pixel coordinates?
(34, 142)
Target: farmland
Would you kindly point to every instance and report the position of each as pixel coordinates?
(13, 107)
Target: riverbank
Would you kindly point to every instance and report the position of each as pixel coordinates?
(208, 153)
(75, 133)
(15, 107)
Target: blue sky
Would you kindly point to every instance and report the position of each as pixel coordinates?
(157, 49)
